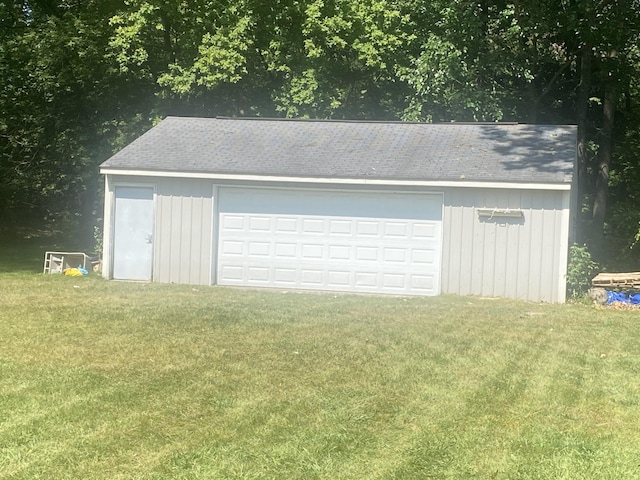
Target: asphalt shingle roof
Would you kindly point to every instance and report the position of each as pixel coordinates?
(340, 149)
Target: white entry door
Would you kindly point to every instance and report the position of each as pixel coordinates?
(133, 233)
(321, 240)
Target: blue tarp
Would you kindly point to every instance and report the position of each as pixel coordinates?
(622, 297)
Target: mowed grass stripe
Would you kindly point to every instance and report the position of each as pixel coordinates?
(125, 380)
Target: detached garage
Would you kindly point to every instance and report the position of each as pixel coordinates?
(371, 207)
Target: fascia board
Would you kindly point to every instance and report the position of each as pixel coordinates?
(339, 181)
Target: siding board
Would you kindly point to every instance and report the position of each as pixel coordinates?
(478, 258)
(184, 224)
(523, 282)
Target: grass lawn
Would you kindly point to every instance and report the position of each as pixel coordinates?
(109, 380)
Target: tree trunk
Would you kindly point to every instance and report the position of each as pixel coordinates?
(582, 108)
(604, 155)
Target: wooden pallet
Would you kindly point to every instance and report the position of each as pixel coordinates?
(629, 280)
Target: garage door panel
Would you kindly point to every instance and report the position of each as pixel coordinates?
(319, 246)
(311, 251)
(285, 276)
(427, 257)
(338, 279)
(258, 274)
(366, 254)
(232, 274)
(395, 229)
(286, 225)
(395, 255)
(393, 280)
(232, 247)
(232, 222)
(313, 226)
(259, 224)
(368, 229)
(259, 249)
(367, 280)
(423, 282)
(285, 250)
(425, 231)
(340, 252)
(340, 227)
(311, 277)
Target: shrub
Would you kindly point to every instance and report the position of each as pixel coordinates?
(580, 271)
(97, 240)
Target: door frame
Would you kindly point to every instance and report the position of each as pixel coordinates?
(109, 222)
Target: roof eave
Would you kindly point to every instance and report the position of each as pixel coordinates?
(462, 183)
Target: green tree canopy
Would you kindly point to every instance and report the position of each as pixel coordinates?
(80, 79)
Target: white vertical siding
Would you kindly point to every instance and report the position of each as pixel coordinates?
(567, 225)
(506, 257)
(183, 231)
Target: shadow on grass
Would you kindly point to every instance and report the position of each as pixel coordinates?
(23, 250)
(21, 255)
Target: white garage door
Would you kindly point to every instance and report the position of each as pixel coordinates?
(321, 240)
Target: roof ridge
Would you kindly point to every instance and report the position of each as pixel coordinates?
(346, 120)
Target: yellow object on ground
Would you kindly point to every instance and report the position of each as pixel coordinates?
(72, 272)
